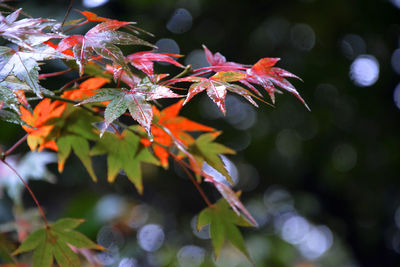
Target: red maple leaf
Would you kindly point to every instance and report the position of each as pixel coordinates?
(264, 74)
(218, 61)
(144, 60)
(102, 40)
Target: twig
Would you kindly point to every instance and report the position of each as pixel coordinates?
(65, 86)
(47, 75)
(67, 13)
(30, 192)
(9, 151)
(220, 67)
(185, 169)
(187, 69)
(76, 26)
(115, 130)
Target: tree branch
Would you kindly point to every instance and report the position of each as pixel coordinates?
(10, 150)
(185, 169)
(30, 192)
(53, 74)
(187, 69)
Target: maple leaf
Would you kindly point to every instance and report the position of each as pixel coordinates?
(205, 150)
(152, 91)
(26, 32)
(72, 132)
(43, 112)
(12, 97)
(81, 148)
(177, 126)
(218, 62)
(130, 80)
(223, 223)
(264, 74)
(9, 98)
(53, 242)
(144, 60)
(101, 39)
(52, 45)
(217, 87)
(11, 117)
(135, 100)
(120, 101)
(86, 88)
(90, 16)
(24, 65)
(124, 152)
(6, 248)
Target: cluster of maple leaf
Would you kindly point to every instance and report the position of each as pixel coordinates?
(87, 117)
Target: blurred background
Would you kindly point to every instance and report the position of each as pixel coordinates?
(323, 185)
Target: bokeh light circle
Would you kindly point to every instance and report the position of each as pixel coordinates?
(151, 237)
(364, 71)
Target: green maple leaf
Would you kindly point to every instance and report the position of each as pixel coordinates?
(120, 101)
(223, 223)
(124, 152)
(81, 148)
(205, 150)
(52, 243)
(73, 134)
(134, 100)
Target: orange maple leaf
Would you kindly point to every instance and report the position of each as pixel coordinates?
(90, 16)
(43, 111)
(178, 126)
(86, 89)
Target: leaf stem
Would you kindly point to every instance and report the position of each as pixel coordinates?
(10, 150)
(116, 130)
(220, 67)
(65, 86)
(187, 69)
(67, 13)
(196, 184)
(46, 75)
(30, 192)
